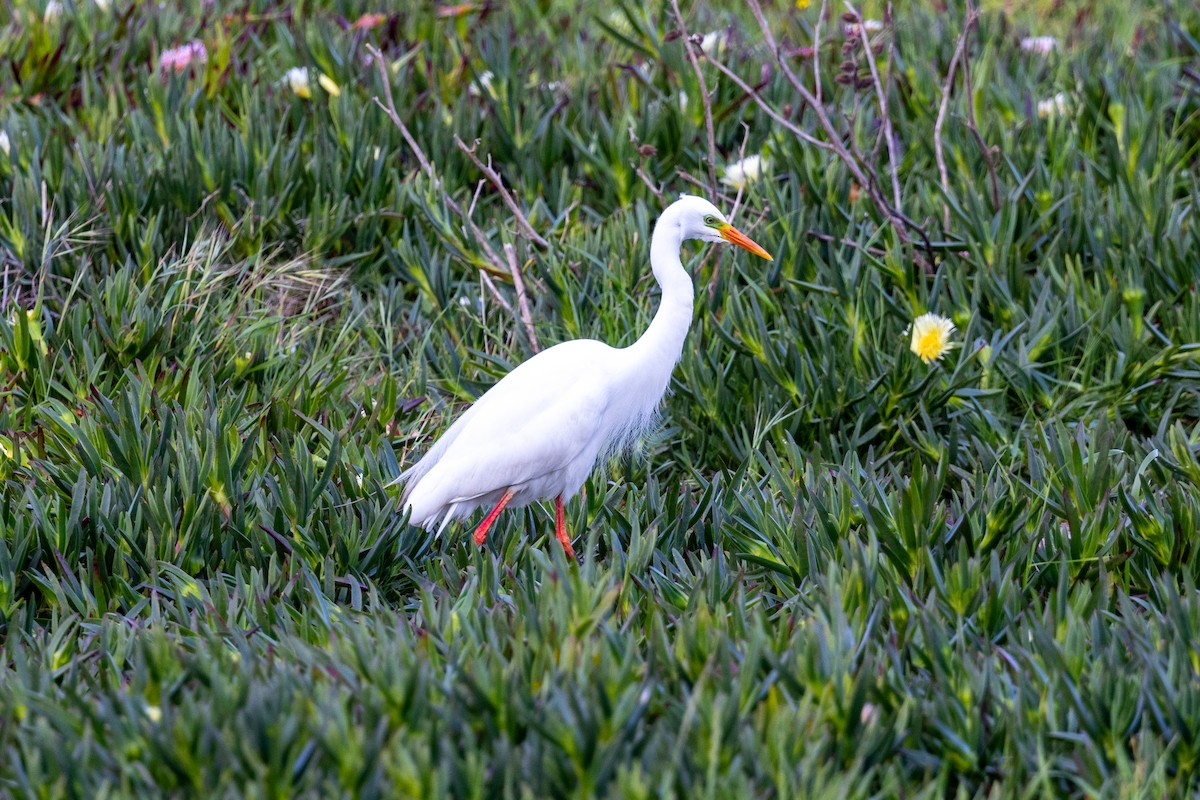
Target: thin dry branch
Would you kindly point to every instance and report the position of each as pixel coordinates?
(890, 21)
(737, 200)
(881, 97)
(641, 173)
(689, 48)
(879, 252)
(498, 266)
(719, 198)
(825, 237)
(498, 182)
(510, 253)
(753, 94)
(494, 291)
(390, 110)
(896, 218)
(817, 52)
(959, 53)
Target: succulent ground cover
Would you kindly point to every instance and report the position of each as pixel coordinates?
(869, 553)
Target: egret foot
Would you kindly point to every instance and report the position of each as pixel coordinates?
(560, 527)
(482, 530)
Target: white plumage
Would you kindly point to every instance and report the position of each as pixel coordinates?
(539, 432)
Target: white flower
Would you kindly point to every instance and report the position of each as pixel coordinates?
(4, 144)
(713, 44)
(467, 302)
(484, 84)
(103, 5)
(683, 100)
(297, 79)
(1054, 107)
(868, 25)
(53, 12)
(154, 713)
(739, 173)
(1039, 44)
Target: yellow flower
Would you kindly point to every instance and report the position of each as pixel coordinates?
(931, 337)
(803, 4)
(328, 84)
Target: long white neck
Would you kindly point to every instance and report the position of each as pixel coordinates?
(660, 346)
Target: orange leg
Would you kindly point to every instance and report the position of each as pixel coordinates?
(560, 527)
(482, 530)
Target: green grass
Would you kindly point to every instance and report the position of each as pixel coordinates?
(230, 315)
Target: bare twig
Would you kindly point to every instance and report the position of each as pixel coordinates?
(878, 252)
(833, 141)
(825, 237)
(505, 195)
(390, 110)
(487, 281)
(959, 52)
(641, 173)
(881, 96)
(475, 197)
(890, 21)
(753, 94)
(817, 52)
(637, 166)
(718, 198)
(498, 266)
(689, 48)
(510, 253)
(737, 200)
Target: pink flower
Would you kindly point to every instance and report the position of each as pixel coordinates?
(177, 59)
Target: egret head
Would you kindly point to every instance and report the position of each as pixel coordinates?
(700, 219)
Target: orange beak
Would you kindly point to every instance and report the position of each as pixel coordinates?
(734, 236)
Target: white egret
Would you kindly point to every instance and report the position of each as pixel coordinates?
(539, 432)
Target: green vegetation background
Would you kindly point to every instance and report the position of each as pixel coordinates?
(231, 313)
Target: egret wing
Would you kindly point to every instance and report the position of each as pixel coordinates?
(484, 458)
(520, 395)
(542, 417)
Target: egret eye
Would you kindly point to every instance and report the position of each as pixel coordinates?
(710, 220)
